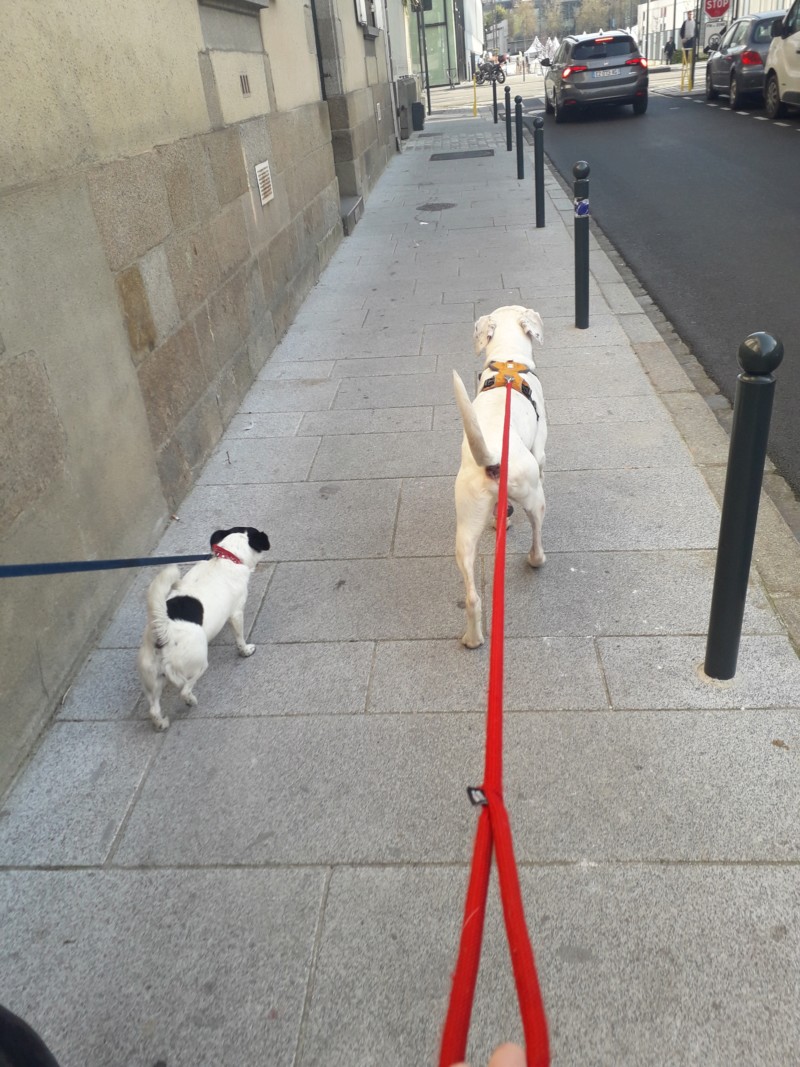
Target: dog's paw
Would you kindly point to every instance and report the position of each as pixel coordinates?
(162, 723)
(247, 650)
(536, 561)
(471, 641)
(190, 699)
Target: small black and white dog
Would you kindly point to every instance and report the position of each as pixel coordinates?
(184, 614)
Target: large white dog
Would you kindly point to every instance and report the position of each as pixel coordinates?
(184, 614)
(506, 337)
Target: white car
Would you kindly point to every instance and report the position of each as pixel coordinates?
(782, 67)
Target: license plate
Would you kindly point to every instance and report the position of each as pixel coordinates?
(604, 73)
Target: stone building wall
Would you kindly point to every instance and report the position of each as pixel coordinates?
(142, 283)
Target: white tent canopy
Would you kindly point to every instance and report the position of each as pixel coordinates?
(535, 49)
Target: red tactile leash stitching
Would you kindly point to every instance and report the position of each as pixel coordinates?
(494, 830)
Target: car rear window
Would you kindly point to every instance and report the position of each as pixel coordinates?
(604, 48)
(763, 31)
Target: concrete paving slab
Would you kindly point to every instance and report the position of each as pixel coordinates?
(74, 795)
(443, 676)
(383, 420)
(576, 383)
(603, 330)
(662, 672)
(621, 409)
(600, 445)
(314, 394)
(286, 372)
(359, 600)
(177, 967)
(622, 952)
(588, 510)
(392, 391)
(386, 364)
(257, 461)
(625, 593)
(392, 455)
(303, 679)
(108, 687)
(322, 520)
(273, 791)
(312, 345)
(257, 424)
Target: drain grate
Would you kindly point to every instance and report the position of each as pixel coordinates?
(475, 154)
(434, 207)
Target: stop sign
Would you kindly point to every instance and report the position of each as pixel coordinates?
(715, 9)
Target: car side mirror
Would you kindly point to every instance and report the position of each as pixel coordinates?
(545, 62)
(777, 28)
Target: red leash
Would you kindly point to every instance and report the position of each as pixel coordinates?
(494, 831)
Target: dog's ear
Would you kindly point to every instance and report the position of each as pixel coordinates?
(532, 325)
(484, 331)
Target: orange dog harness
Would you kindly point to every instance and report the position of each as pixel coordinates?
(511, 373)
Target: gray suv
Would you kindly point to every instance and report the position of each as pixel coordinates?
(593, 69)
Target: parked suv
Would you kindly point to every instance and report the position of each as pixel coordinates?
(593, 69)
(736, 63)
(782, 68)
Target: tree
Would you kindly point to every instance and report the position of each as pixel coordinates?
(492, 16)
(522, 23)
(592, 15)
(553, 18)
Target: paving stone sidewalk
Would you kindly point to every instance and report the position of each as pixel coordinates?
(279, 878)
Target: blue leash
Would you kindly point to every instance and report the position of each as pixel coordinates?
(27, 570)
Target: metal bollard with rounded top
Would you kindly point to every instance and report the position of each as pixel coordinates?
(538, 168)
(759, 355)
(494, 99)
(508, 118)
(581, 203)
(520, 144)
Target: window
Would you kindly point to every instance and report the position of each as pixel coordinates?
(369, 15)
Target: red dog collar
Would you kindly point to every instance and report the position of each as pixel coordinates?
(223, 553)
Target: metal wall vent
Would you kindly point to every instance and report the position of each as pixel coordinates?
(264, 179)
(244, 81)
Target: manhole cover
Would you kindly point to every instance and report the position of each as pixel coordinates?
(434, 207)
(475, 154)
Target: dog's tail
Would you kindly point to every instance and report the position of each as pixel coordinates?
(157, 599)
(477, 445)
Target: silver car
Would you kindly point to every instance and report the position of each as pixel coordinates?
(593, 69)
(735, 65)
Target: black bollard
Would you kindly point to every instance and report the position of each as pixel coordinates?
(538, 168)
(759, 356)
(520, 144)
(581, 202)
(508, 118)
(494, 98)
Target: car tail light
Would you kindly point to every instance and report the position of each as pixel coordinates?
(639, 61)
(565, 73)
(751, 58)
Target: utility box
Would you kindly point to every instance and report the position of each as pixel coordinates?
(407, 89)
(418, 116)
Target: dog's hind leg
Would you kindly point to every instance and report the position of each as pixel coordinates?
(237, 625)
(472, 516)
(153, 685)
(534, 508)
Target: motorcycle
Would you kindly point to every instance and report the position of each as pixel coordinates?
(491, 72)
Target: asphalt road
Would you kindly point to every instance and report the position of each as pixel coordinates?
(701, 203)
